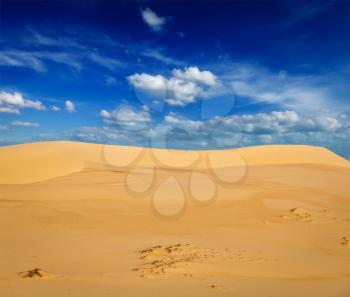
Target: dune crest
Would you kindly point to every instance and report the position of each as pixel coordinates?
(35, 162)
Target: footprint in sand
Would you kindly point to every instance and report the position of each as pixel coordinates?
(301, 215)
(159, 260)
(345, 241)
(35, 273)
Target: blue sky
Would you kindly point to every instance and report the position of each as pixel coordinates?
(195, 75)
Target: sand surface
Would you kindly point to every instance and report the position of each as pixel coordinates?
(89, 220)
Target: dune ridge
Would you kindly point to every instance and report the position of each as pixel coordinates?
(27, 163)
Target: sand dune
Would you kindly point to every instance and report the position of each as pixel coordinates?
(79, 219)
(28, 163)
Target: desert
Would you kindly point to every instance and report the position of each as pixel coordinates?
(82, 219)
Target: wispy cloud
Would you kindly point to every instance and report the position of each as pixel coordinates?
(36, 60)
(25, 124)
(37, 49)
(303, 12)
(111, 81)
(159, 56)
(22, 59)
(104, 61)
(36, 38)
(68, 59)
(303, 93)
(3, 128)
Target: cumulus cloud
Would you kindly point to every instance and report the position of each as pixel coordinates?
(14, 102)
(130, 126)
(125, 125)
(183, 87)
(155, 22)
(223, 131)
(107, 134)
(25, 124)
(275, 122)
(181, 92)
(253, 129)
(69, 106)
(126, 115)
(153, 84)
(194, 74)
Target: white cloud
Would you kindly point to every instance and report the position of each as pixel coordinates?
(110, 81)
(63, 50)
(12, 110)
(179, 122)
(159, 56)
(275, 122)
(38, 38)
(153, 84)
(55, 108)
(106, 62)
(182, 88)
(69, 106)
(194, 74)
(13, 102)
(36, 60)
(127, 116)
(252, 129)
(303, 93)
(130, 126)
(155, 22)
(25, 124)
(21, 59)
(111, 134)
(291, 96)
(303, 12)
(182, 92)
(69, 59)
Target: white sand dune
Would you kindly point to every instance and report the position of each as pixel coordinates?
(98, 220)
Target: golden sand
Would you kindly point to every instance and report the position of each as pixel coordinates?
(89, 220)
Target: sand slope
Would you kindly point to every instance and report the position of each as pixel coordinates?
(80, 219)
